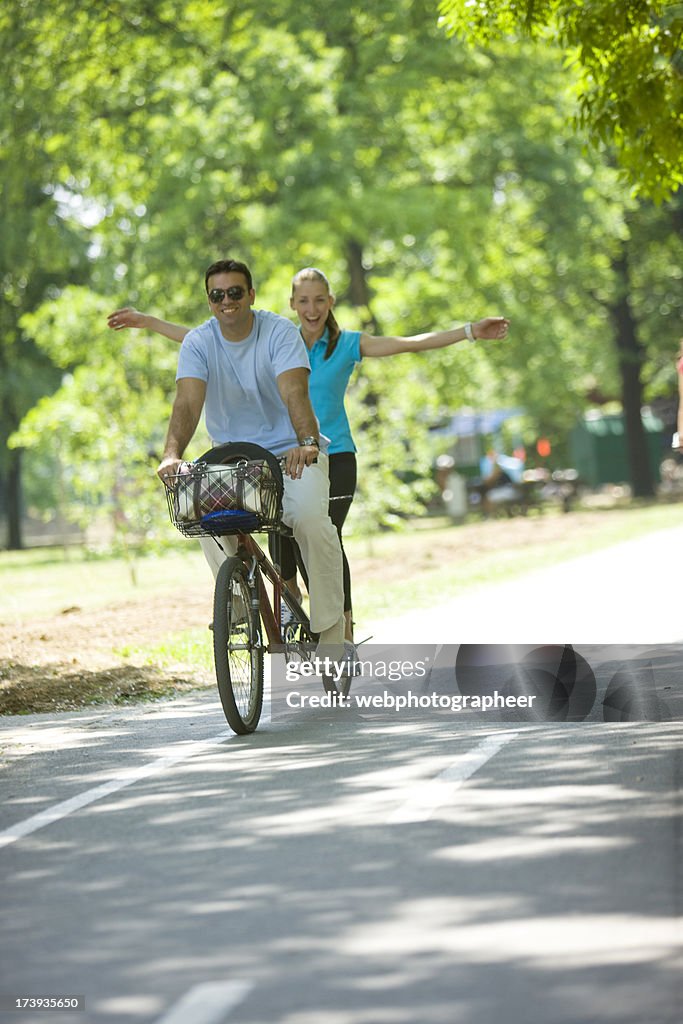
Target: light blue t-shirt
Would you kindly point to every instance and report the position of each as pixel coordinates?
(327, 386)
(242, 398)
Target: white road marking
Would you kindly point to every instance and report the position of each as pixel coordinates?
(120, 781)
(423, 799)
(207, 1004)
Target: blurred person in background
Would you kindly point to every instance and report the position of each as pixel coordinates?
(678, 436)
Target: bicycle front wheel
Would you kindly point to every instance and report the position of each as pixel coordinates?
(237, 648)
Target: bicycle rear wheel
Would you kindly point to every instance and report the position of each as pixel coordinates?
(238, 653)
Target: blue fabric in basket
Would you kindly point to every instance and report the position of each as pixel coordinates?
(229, 520)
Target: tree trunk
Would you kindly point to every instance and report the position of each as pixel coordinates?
(359, 292)
(631, 356)
(14, 531)
(359, 295)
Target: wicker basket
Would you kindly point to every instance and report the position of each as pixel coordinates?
(241, 497)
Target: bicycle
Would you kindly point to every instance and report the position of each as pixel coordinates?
(236, 490)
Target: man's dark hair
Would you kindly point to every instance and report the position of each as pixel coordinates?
(228, 267)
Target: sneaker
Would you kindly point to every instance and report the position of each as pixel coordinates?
(287, 616)
(288, 621)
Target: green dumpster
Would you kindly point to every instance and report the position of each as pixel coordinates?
(598, 448)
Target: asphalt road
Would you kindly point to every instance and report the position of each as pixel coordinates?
(347, 866)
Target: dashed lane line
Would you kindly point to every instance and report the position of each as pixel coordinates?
(209, 1003)
(424, 798)
(127, 777)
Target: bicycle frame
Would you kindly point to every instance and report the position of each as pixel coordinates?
(260, 567)
(243, 614)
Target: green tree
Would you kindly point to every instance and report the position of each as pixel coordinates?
(105, 424)
(39, 253)
(630, 89)
(61, 104)
(431, 181)
(317, 166)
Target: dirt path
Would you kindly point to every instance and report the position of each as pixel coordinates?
(77, 657)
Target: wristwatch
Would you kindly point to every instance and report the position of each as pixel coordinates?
(310, 441)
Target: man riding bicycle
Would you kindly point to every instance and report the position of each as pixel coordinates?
(250, 369)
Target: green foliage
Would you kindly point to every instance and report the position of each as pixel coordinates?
(630, 88)
(390, 407)
(433, 182)
(104, 426)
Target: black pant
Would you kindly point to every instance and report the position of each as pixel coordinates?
(342, 482)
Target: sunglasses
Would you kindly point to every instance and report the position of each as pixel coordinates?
(235, 293)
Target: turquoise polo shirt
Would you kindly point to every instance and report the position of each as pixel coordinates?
(327, 387)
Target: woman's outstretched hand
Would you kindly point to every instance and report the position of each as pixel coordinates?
(126, 317)
(491, 327)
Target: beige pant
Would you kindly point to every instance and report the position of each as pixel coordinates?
(305, 511)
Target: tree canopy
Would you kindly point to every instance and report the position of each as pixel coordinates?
(630, 64)
(433, 182)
